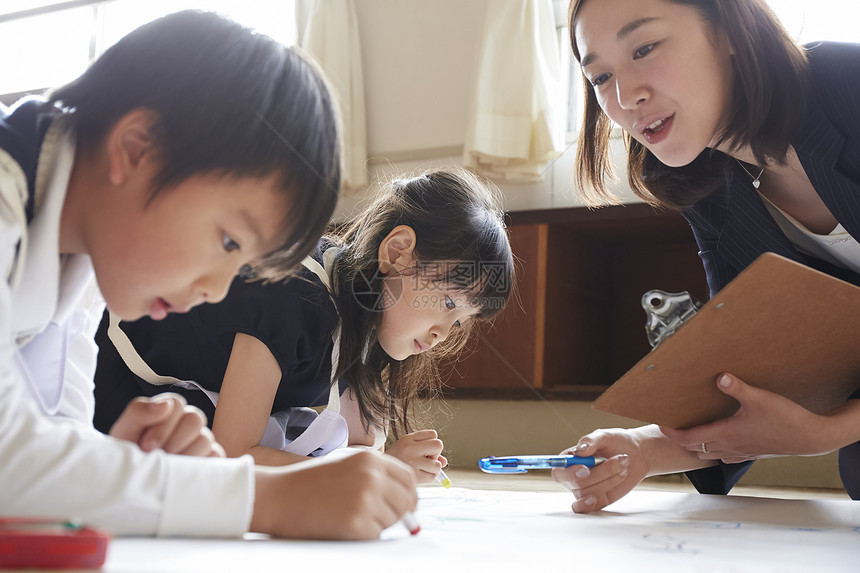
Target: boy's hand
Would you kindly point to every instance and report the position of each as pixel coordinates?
(422, 450)
(166, 422)
(352, 497)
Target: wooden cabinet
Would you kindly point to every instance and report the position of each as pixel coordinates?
(575, 323)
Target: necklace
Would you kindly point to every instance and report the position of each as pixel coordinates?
(756, 181)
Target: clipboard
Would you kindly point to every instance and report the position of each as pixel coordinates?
(778, 325)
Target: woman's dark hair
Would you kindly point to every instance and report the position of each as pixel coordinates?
(461, 243)
(228, 102)
(768, 102)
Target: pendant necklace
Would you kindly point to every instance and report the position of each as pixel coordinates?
(756, 181)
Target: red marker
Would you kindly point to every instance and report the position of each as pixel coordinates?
(411, 523)
(44, 543)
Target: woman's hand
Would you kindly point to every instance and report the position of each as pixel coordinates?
(167, 422)
(595, 488)
(631, 456)
(765, 425)
(422, 450)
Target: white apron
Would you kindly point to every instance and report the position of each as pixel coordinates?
(325, 432)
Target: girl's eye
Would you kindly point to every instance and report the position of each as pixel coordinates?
(228, 243)
(449, 303)
(457, 324)
(643, 51)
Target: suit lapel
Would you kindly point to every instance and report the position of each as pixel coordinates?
(749, 229)
(820, 150)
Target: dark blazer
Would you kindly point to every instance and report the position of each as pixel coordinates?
(733, 227)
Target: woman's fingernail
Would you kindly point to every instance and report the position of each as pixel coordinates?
(725, 380)
(624, 459)
(581, 447)
(623, 473)
(582, 472)
(590, 500)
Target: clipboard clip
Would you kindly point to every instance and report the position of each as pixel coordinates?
(666, 312)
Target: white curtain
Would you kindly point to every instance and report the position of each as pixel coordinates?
(517, 120)
(331, 38)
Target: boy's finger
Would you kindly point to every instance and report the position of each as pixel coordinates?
(137, 417)
(188, 428)
(157, 435)
(204, 446)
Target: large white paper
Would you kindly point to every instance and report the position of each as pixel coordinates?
(500, 531)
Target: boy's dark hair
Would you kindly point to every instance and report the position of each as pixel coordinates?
(768, 102)
(228, 102)
(461, 243)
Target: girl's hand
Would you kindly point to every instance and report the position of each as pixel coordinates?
(167, 422)
(766, 424)
(422, 451)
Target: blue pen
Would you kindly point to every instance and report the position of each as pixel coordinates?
(521, 464)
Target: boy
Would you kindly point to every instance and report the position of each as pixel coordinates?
(191, 148)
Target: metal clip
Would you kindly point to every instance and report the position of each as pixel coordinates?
(666, 312)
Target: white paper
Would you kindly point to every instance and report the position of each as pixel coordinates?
(495, 531)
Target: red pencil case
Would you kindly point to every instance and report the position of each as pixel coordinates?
(43, 543)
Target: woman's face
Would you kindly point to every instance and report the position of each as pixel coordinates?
(658, 72)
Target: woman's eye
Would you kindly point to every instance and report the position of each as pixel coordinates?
(600, 80)
(228, 243)
(449, 303)
(643, 51)
(457, 324)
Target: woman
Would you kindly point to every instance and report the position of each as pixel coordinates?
(756, 141)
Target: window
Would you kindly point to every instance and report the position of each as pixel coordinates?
(47, 44)
(810, 20)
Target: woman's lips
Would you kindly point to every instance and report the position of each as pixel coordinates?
(658, 130)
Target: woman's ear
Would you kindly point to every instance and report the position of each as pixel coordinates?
(129, 144)
(397, 249)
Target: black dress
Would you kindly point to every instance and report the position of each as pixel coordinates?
(294, 319)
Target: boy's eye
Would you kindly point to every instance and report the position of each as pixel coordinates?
(228, 243)
(449, 303)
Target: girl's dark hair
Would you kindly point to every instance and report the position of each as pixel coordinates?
(228, 102)
(768, 102)
(461, 243)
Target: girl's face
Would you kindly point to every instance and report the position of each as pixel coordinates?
(658, 72)
(418, 313)
(185, 247)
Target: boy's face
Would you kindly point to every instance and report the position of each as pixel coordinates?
(185, 247)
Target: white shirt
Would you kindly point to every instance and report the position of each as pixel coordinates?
(838, 247)
(52, 461)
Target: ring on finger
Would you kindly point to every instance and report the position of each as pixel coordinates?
(704, 448)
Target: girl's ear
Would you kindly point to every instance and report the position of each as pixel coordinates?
(129, 144)
(396, 249)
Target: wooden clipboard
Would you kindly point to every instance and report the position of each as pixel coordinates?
(778, 325)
